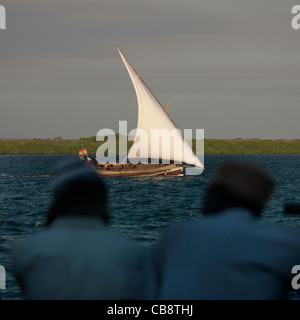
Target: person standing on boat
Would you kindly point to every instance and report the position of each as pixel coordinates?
(77, 256)
(230, 253)
(95, 162)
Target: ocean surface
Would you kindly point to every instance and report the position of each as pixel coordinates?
(140, 207)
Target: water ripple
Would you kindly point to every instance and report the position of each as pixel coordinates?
(140, 207)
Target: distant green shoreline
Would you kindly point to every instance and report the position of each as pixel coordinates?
(59, 146)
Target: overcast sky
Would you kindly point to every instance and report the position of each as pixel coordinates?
(230, 67)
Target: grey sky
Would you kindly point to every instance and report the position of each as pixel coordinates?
(230, 67)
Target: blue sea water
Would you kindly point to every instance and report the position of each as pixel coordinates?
(140, 207)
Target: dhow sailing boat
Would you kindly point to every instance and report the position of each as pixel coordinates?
(153, 122)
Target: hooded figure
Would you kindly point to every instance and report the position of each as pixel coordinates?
(77, 256)
(230, 253)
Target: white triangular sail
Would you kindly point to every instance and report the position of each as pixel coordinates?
(154, 120)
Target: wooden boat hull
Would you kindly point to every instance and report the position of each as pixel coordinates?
(130, 170)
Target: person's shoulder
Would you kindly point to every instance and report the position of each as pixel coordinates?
(25, 249)
(118, 239)
(28, 240)
(285, 233)
(182, 226)
(35, 241)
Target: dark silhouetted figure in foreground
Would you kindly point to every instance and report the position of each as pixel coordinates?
(77, 256)
(230, 253)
